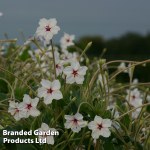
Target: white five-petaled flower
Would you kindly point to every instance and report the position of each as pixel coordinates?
(100, 127)
(44, 129)
(75, 122)
(16, 109)
(47, 28)
(50, 91)
(134, 97)
(75, 73)
(30, 106)
(59, 66)
(67, 40)
(66, 57)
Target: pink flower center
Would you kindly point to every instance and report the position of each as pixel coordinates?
(99, 126)
(66, 57)
(75, 73)
(57, 66)
(133, 97)
(47, 28)
(44, 135)
(75, 121)
(49, 91)
(29, 106)
(68, 40)
(16, 111)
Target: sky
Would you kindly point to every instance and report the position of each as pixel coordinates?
(108, 18)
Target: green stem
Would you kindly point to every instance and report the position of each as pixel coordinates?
(54, 59)
(17, 78)
(132, 110)
(82, 104)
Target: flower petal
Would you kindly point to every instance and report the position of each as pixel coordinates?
(50, 140)
(78, 116)
(69, 117)
(48, 99)
(75, 65)
(98, 119)
(56, 85)
(68, 70)
(70, 79)
(42, 92)
(46, 83)
(106, 123)
(26, 99)
(82, 70)
(79, 79)
(105, 132)
(95, 134)
(92, 125)
(44, 127)
(34, 112)
(57, 95)
(35, 102)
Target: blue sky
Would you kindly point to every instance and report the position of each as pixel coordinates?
(109, 18)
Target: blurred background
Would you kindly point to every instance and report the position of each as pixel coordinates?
(122, 27)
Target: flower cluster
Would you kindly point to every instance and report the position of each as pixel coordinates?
(99, 126)
(59, 75)
(24, 109)
(66, 65)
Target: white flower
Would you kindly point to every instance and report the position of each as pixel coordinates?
(43, 55)
(59, 67)
(49, 138)
(67, 40)
(148, 98)
(47, 28)
(50, 91)
(30, 106)
(75, 122)
(66, 56)
(1, 14)
(122, 67)
(136, 113)
(76, 56)
(2, 50)
(100, 127)
(134, 82)
(75, 73)
(16, 109)
(134, 97)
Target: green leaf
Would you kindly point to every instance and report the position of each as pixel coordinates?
(25, 147)
(108, 146)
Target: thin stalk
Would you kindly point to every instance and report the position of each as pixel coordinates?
(54, 59)
(17, 78)
(132, 110)
(8, 41)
